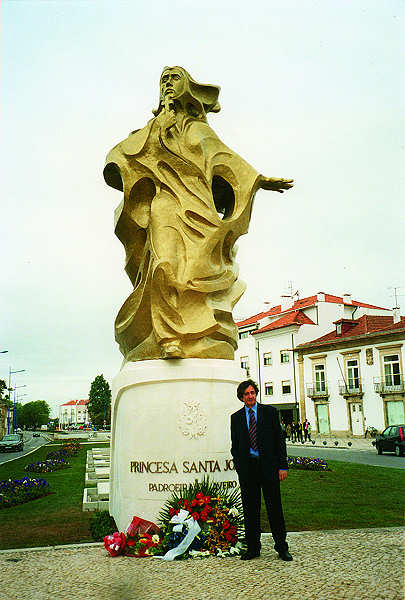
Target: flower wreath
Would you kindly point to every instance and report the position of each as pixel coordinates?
(202, 520)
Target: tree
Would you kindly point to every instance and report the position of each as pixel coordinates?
(34, 414)
(99, 401)
(3, 388)
(3, 406)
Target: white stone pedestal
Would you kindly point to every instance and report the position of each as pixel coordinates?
(170, 426)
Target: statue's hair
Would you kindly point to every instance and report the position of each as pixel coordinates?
(203, 97)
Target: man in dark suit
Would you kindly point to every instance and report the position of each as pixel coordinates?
(260, 459)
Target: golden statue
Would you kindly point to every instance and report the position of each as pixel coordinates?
(187, 198)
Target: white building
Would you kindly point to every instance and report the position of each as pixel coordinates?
(352, 377)
(267, 343)
(73, 412)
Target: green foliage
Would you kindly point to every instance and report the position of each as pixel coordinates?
(101, 524)
(3, 389)
(33, 414)
(99, 401)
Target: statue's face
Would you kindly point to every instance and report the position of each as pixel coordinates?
(171, 83)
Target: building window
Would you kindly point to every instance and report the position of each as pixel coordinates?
(319, 377)
(284, 356)
(353, 374)
(243, 335)
(286, 387)
(392, 372)
(339, 329)
(267, 358)
(268, 388)
(244, 363)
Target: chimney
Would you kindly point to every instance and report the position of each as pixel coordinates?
(266, 306)
(347, 299)
(286, 303)
(396, 314)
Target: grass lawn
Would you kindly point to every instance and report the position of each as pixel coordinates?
(349, 496)
(54, 519)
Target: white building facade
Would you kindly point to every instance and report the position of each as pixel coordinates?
(268, 343)
(352, 378)
(73, 412)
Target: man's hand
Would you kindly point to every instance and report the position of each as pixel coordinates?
(277, 185)
(282, 474)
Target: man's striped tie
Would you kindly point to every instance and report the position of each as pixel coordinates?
(252, 430)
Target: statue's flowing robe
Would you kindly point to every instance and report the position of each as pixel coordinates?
(187, 198)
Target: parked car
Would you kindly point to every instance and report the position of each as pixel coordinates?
(36, 434)
(11, 442)
(392, 439)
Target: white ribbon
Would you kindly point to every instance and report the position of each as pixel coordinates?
(193, 529)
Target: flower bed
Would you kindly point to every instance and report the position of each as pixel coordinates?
(47, 466)
(307, 463)
(203, 520)
(18, 491)
(69, 448)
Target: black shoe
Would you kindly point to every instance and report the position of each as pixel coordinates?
(249, 555)
(285, 555)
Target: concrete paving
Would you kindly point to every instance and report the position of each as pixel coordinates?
(365, 564)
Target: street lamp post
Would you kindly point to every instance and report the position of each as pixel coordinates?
(15, 418)
(16, 414)
(10, 372)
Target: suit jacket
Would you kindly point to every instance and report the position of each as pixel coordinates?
(270, 440)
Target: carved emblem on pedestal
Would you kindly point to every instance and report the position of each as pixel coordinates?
(193, 420)
(369, 356)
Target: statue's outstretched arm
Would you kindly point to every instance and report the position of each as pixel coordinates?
(275, 184)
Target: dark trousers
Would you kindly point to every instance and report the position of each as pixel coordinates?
(251, 500)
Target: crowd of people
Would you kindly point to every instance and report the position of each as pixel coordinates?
(297, 432)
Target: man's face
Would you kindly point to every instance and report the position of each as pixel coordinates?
(249, 396)
(171, 83)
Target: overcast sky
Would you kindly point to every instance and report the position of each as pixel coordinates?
(312, 90)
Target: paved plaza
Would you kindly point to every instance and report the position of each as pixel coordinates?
(362, 564)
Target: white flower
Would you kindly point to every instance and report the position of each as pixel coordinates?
(233, 512)
(199, 553)
(155, 538)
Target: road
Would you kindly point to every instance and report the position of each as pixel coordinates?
(30, 444)
(364, 457)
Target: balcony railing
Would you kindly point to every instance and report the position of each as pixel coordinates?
(352, 387)
(390, 384)
(317, 390)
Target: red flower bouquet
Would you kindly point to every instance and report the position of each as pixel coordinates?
(115, 543)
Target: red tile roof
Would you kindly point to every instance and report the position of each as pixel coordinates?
(292, 318)
(75, 403)
(303, 303)
(366, 325)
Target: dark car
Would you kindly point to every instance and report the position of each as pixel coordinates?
(11, 442)
(36, 434)
(391, 439)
